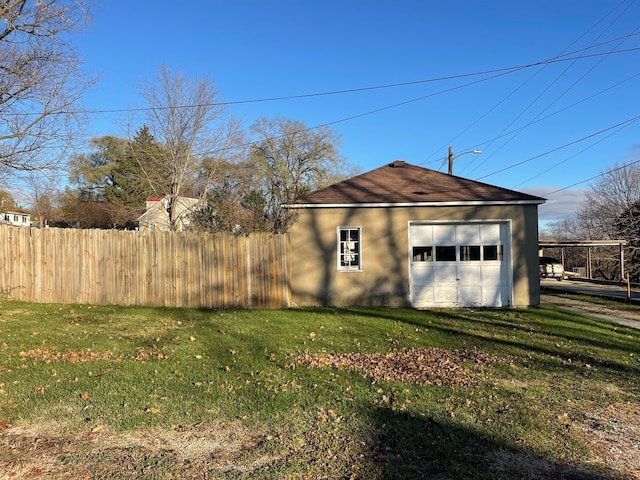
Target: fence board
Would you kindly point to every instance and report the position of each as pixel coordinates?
(186, 269)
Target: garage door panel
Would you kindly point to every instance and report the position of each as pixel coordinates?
(469, 273)
(445, 295)
(422, 235)
(422, 275)
(493, 297)
(492, 274)
(445, 274)
(470, 296)
(424, 295)
(491, 233)
(468, 234)
(444, 234)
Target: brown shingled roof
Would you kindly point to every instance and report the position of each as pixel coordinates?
(401, 182)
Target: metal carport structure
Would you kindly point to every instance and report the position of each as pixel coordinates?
(589, 244)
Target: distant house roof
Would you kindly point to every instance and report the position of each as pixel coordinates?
(400, 183)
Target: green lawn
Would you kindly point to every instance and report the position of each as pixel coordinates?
(115, 392)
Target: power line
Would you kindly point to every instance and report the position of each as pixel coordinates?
(572, 156)
(498, 72)
(363, 114)
(631, 120)
(561, 110)
(517, 89)
(592, 178)
(593, 67)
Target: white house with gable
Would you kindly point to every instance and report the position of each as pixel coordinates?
(156, 216)
(15, 218)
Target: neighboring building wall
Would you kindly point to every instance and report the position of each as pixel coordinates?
(157, 218)
(18, 219)
(384, 278)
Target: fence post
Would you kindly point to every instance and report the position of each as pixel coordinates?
(628, 287)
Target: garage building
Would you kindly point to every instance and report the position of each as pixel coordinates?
(404, 235)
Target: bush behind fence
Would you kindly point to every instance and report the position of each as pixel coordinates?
(186, 269)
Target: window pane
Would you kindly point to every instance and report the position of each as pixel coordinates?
(423, 254)
(349, 248)
(492, 252)
(446, 253)
(470, 253)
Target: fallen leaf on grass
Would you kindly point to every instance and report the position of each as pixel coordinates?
(152, 410)
(430, 366)
(50, 354)
(147, 353)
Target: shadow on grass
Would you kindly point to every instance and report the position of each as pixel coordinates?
(519, 334)
(406, 447)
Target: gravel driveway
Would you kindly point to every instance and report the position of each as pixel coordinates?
(623, 314)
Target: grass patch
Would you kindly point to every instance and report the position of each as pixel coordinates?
(115, 392)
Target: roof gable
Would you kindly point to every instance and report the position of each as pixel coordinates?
(403, 183)
(157, 207)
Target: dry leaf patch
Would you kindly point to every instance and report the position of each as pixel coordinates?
(427, 366)
(51, 354)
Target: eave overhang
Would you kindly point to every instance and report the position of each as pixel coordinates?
(472, 203)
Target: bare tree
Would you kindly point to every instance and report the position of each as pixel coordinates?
(563, 230)
(7, 202)
(42, 196)
(616, 191)
(234, 204)
(41, 82)
(612, 210)
(188, 119)
(292, 160)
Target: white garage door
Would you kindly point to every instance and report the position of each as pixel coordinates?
(459, 265)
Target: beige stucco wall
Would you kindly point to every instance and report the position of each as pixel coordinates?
(384, 279)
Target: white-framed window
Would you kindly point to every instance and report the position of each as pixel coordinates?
(470, 253)
(349, 248)
(423, 254)
(493, 252)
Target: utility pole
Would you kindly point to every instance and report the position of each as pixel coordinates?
(450, 160)
(451, 157)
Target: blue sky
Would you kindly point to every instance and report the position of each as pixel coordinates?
(447, 68)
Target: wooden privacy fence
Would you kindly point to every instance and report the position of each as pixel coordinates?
(186, 269)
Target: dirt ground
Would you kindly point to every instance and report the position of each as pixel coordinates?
(611, 311)
(613, 432)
